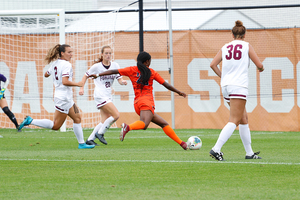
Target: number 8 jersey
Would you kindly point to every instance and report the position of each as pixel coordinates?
(235, 63)
(59, 69)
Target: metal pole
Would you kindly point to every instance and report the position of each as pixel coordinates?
(62, 40)
(141, 31)
(171, 62)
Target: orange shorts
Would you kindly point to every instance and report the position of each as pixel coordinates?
(144, 104)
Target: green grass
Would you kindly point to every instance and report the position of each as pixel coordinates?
(43, 164)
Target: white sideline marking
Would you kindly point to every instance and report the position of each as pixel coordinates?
(198, 133)
(153, 161)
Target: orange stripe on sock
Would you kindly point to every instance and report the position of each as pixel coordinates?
(137, 125)
(171, 133)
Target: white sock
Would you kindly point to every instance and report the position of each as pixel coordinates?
(224, 136)
(78, 132)
(246, 138)
(96, 129)
(107, 123)
(44, 123)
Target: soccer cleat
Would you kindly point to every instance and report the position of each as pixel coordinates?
(124, 130)
(26, 122)
(101, 138)
(217, 156)
(254, 156)
(184, 145)
(19, 130)
(85, 146)
(91, 142)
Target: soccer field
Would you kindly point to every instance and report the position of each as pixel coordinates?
(43, 164)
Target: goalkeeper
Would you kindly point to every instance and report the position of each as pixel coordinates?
(3, 102)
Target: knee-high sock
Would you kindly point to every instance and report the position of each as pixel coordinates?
(78, 132)
(246, 138)
(137, 125)
(10, 115)
(44, 123)
(96, 129)
(106, 124)
(171, 133)
(224, 136)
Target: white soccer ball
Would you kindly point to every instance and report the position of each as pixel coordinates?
(194, 143)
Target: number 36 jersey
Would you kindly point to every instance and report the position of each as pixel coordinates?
(235, 63)
(103, 83)
(59, 69)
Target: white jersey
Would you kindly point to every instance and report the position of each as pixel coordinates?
(103, 83)
(58, 70)
(235, 63)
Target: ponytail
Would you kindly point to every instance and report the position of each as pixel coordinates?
(145, 71)
(55, 52)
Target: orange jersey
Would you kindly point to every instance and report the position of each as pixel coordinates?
(141, 91)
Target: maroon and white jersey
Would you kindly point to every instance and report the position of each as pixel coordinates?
(103, 83)
(59, 69)
(235, 63)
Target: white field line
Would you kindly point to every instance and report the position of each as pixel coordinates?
(189, 133)
(151, 161)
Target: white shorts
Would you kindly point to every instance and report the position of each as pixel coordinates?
(234, 92)
(102, 101)
(63, 105)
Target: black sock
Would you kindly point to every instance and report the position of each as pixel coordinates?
(10, 115)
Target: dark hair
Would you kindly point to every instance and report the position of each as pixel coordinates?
(238, 30)
(98, 60)
(55, 52)
(145, 71)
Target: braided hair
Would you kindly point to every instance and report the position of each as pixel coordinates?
(145, 71)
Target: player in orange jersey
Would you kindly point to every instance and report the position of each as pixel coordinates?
(142, 78)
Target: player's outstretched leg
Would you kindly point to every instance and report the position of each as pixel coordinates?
(171, 133)
(27, 121)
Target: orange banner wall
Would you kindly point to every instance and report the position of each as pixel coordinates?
(273, 101)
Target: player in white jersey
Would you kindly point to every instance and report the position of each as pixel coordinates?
(61, 70)
(103, 94)
(235, 57)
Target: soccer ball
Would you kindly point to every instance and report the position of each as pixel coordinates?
(194, 143)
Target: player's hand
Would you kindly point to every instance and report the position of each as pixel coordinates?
(261, 69)
(81, 91)
(3, 90)
(93, 76)
(182, 94)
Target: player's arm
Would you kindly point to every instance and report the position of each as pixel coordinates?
(66, 82)
(214, 63)
(5, 84)
(173, 89)
(83, 80)
(108, 72)
(253, 56)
